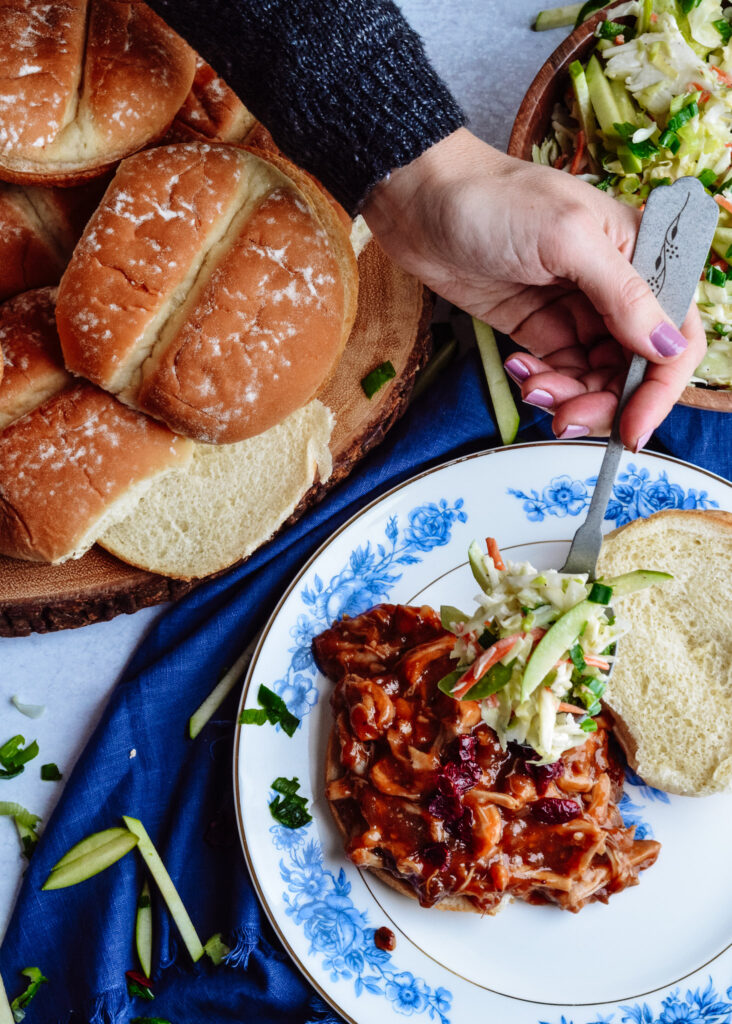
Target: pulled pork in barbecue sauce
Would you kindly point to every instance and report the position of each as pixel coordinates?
(426, 793)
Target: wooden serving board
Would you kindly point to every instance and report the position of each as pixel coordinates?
(392, 323)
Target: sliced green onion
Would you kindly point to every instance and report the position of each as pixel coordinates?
(688, 5)
(611, 29)
(588, 725)
(25, 822)
(682, 117)
(670, 140)
(289, 809)
(14, 757)
(716, 276)
(557, 17)
(707, 177)
(659, 182)
(609, 181)
(50, 773)
(724, 28)
(600, 594)
(378, 377)
(629, 184)
(723, 329)
(18, 1005)
(275, 710)
(577, 657)
(504, 407)
(29, 710)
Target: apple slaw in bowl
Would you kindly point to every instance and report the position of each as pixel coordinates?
(652, 103)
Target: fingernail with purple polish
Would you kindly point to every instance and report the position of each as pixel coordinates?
(643, 441)
(667, 341)
(516, 369)
(541, 398)
(573, 430)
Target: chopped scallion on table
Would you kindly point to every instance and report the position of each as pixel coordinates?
(273, 710)
(50, 773)
(378, 377)
(289, 809)
(14, 756)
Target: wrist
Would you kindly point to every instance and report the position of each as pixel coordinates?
(443, 166)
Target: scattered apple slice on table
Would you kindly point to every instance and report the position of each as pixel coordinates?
(90, 856)
(143, 930)
(164, 882)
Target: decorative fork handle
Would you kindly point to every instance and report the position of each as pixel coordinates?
(673, 242)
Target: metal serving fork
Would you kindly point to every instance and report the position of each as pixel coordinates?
(673, 241)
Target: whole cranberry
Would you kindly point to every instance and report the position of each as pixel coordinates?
(437, 855)
(554, 811)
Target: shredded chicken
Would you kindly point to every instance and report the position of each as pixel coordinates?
(428, 794)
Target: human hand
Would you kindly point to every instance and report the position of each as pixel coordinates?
(543, 257)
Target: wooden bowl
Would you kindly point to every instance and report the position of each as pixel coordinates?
(532, 126)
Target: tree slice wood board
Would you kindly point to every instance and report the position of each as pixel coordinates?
(392, 323)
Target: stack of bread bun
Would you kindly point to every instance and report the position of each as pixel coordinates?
(157, 396)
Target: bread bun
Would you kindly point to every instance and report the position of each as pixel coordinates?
(211, 111)
(228, 501)
(39, 228)
(333, 771)
(84, 84)
(73, 459)
(211, 289)
(671, 689)
(34, 369)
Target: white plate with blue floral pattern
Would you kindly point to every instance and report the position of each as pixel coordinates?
(658, 953)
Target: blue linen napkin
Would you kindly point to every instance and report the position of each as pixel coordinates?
(82, 937)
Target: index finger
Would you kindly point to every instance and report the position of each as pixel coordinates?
(662, 387)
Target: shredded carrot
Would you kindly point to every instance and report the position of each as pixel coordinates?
(560, 162)
(654, 18)
(704, 93)
(482, 663)
(619, 40)
(717, 261)
(722, 75)
(578, 153)
(597, 662)
(724, 203)
(571, 709)
(494, 552)
(489, 658)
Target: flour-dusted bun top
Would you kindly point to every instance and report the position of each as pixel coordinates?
(211, 111)
(212, 289)
(84, 83)
(34, 369)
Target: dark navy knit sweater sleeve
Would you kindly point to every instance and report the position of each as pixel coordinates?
(344, 86)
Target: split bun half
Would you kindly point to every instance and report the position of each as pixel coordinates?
(84, 83)
(213, 289)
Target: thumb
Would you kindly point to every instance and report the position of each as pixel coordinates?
(626, 304)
